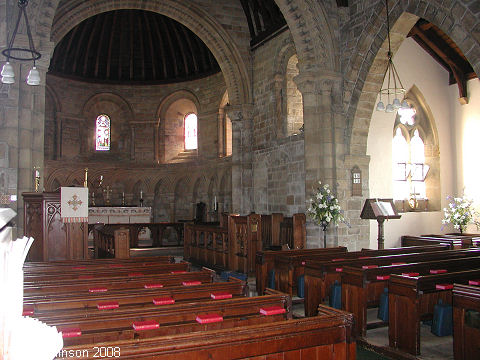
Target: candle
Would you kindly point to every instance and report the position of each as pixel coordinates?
(215, 203)
(101, 177)
(123, 194)
(141, 194)
(37, 173)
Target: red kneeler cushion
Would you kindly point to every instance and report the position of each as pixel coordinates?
(438, 271)
(474, 282)
(444, 286)
(383, 277)
(221, 295)
(190, 283)
(165, 300)
(209, 318)
(71, 332)
(412, 274)
(28, 311)
(97, 289)
(145, 325)
(107, 305)
(272, 310)
(369, 266)
(153, 286)
(178, 272)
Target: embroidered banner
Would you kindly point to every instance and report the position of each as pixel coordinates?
(74, 204)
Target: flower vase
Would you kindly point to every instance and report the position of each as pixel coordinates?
(324, 225)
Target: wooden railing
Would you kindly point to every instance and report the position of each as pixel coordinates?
(206, 245)
(234, 246)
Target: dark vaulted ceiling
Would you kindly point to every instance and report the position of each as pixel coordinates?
(133, 46)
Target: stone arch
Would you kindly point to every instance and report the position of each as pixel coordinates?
(217, 39)
(363, 73)
(170, 115)
(312, 32)
(284, 52)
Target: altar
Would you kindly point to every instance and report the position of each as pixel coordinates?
(119, 215)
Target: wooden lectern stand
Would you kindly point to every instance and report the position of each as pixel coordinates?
(53, 240)
(379, 209)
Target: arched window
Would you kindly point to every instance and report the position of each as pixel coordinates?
(409, 168)
(102, 133)
(400, 156)
(294, 99)
(190, 127)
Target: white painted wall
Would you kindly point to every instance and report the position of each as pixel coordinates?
(455, 124)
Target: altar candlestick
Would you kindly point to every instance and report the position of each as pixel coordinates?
(85, 183)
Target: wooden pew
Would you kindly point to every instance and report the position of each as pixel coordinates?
(265, 260)
(108, 284)
(325, 336)
(173, 319)
(362, 287)
(109, 271)
(320, 275)
(466, 302)
(41, 305)
(454, 241)
(412, 299)
(100, 262)
(289, 268)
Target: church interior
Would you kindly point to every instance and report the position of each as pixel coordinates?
(209, 132)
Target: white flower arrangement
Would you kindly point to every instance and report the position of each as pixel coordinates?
(459, 213)
(324, 207)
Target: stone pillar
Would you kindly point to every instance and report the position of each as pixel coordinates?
(58, 137)
(156, 143)
(323, 140)
(242, 168)
(132, 142)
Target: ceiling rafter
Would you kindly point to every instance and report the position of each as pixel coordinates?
(443, 49)
(132, 45)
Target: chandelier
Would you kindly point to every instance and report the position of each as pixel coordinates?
(394, 88)
(21, 53)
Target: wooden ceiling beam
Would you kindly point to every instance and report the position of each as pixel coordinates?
(444, 52)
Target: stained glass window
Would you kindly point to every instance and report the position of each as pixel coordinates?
(102, 133)
(191, 132)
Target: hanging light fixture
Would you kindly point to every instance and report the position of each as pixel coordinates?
(19, 53)
(394, 87)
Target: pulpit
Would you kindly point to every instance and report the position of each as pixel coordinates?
(54, 240)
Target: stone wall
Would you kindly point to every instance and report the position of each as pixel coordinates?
(278, 160)
(136, 113)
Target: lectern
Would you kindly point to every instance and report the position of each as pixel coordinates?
(379, 209)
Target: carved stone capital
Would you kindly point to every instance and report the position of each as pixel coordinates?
(239, 112)
(317, 82)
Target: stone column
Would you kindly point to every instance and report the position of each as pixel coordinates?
(132, 142)
(156, 143)
(323, 140)
(242, 169)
